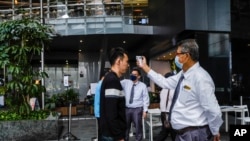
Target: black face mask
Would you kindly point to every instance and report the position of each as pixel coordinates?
(133, 77)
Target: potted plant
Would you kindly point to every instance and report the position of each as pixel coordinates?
(20, 41)
(62, 100)
(154, 99)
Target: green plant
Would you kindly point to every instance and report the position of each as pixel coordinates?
(13, 115)
(20, 41)
(71, 95)
(154, 97)
(2, 90)
(51, 102)
(62, 99)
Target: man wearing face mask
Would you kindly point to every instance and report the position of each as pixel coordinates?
(194, 114)
(137, 102)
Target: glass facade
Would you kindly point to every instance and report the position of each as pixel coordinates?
(78, 17)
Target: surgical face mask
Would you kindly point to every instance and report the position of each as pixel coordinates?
(133, 77)
(178, 64)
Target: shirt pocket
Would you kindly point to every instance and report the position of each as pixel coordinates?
(185, 94)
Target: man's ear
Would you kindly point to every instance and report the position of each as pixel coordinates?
(118, 60)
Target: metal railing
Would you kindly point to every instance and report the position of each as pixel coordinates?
(81, 18)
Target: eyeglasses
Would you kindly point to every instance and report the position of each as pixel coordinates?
(179, 53)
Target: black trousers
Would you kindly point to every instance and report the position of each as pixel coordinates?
(98, 129)
(162, 136)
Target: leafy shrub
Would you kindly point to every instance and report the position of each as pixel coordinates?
(62, 99)
(7, 115)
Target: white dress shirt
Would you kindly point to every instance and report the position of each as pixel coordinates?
(141, 97)
(163, 99)
(89, 93)
(196, 104)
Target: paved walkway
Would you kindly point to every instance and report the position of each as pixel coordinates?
(84, 129)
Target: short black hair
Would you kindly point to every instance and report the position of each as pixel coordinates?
(116, 53)
(136, 69)
(168, 74)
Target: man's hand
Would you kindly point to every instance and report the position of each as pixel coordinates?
(144, 115)
(217, 137)
(143, 65)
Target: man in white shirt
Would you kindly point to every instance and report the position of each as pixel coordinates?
(196, 115)
(136, 103)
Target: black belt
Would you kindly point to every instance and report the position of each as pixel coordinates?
(189, 128)
(133, 107)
